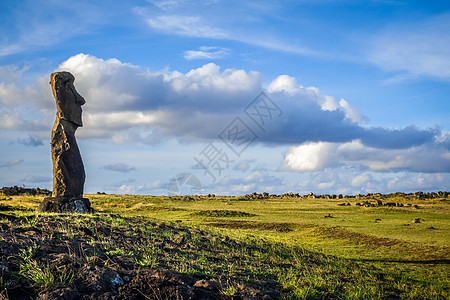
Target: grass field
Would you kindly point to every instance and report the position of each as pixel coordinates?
(313, 247)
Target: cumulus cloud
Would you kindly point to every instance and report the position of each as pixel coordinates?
(288, 85)
(111, 85)
(128, 104)
(431, 158)
(119, 167)
(310, 156)
(121, 96)
(360, 179)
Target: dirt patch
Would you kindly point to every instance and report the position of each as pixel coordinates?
(222, 213)
(248, 225)
(144, 208)
(11, 208)
(358, 238)
(109, 257)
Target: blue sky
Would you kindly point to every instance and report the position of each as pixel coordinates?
(247, 96)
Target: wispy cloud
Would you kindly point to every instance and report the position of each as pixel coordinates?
(119, 167)
(11, 163)
(11, 73)
(417, 48)
(206, 53)
(192, 26)
(36, 179)
(31, 141)
(34, 28)
(204, 26)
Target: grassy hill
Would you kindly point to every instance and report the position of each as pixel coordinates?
(277, 247)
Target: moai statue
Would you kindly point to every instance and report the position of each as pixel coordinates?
(68, 168)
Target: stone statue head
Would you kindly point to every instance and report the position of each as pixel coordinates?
(68, 101)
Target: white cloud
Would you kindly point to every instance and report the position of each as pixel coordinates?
(361, 179)
(418, 48)
(192, 26)
(110, 85)
(206, 53)
(36, 179)
(11, 163)
(128, 104)
(243, 165)
(288, 85)
(31, 141)
(119, 167)
(34, 28)
(9, 94)
(309, 156)
(189, 20)
(122, 96)
(10, 122)
(325, 185)
(352, 113)
(11, 73)
(427, 180)
(166, 4)
(157, 184)
(127, 189)
(320, 155)
(256, 181)
(284, 83)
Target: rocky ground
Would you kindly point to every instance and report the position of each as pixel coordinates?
(85, 257)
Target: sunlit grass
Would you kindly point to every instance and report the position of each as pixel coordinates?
(383, 241)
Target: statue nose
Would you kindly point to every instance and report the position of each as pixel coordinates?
(78, 98)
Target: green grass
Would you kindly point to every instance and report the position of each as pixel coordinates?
(290, 241)
(41, 274)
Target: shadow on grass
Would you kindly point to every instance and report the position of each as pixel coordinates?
(408, 261)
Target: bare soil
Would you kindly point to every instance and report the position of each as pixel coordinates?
(70, 251)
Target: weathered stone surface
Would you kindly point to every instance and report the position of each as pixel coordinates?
(64, 204)
(68, 168)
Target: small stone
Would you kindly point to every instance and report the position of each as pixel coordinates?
(4, 269)
(178, 239)
(117, 281)
(208, 285)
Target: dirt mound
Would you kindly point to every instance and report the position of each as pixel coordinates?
(14, 191)
(223, 213)
(106, 257)
(248, 225)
